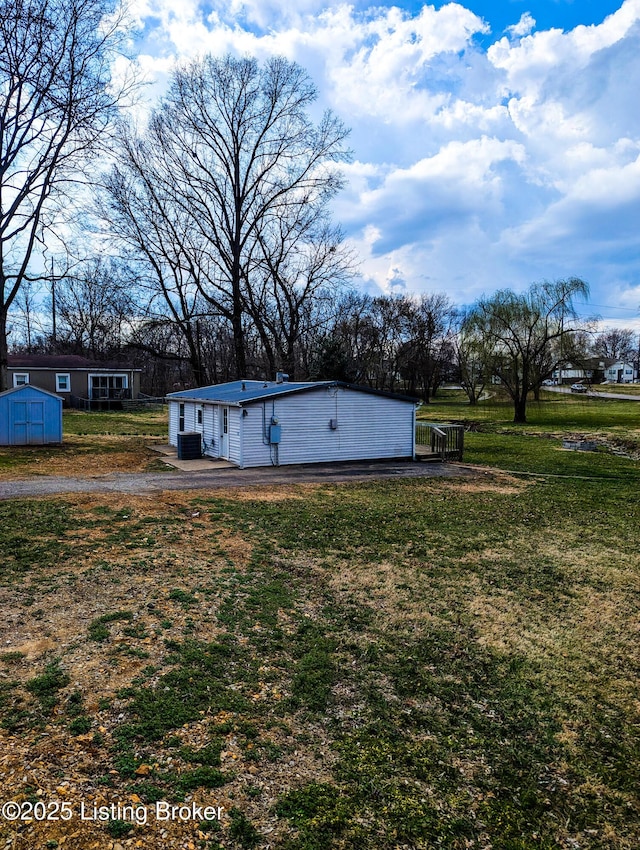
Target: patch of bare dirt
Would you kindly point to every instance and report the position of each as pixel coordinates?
(80, 457)
(507, 485)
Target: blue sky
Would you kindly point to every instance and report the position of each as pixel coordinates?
(562, 14)
(495, 143)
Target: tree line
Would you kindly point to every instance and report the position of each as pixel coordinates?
(218, 257)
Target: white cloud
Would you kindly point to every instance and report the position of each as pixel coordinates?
(524, 26)
(476, 167)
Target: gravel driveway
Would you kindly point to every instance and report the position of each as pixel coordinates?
(223, 479)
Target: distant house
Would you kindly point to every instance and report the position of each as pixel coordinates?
(79, 382)
(263, 423)
(621, 372)
(590, 370)
(594, 370)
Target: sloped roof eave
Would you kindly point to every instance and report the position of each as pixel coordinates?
(32, 387)
(282, 392)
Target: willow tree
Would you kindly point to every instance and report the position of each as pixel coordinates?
(56, 102)
(527, 334)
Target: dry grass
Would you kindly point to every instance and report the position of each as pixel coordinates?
(411, 588)
(80, 456)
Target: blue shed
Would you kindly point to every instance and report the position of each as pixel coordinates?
(30, 416)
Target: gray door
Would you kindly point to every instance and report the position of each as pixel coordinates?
(28, 423)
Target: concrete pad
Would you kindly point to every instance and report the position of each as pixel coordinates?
(201, 464)
(198, 465)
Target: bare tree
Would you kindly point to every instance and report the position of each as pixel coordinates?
(302, 264)
(55, 104)
(616, 343)
(158, 237)
(95, 308)
(230, 150)
(429, 346)
(473, 357)
(26, 315)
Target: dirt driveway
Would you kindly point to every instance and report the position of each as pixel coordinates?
(223, 479)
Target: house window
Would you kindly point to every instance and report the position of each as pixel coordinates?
(63, 382)
(199, 416)
(20, 379)
(181, 418)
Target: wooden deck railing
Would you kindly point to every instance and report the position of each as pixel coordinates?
(436, 440)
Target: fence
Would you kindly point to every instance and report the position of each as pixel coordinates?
(438, 441)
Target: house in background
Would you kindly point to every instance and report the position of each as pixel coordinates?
(263, 423)
(620, 372)
(79, 382)
(30, 416)
(590, 370)
(595, 370)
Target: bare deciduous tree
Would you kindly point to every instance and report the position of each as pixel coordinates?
(95, 306)
(55, 105)
(231, 150)
(616, 343)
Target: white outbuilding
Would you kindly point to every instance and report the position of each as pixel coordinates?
(267, 423)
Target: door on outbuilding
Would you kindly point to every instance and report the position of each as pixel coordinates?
(28, 423)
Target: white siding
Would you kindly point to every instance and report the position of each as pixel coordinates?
(234, 425)
(369, 427)
(173, 423)
(209, 436)
(189, 419)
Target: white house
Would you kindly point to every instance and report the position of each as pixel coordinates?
(263, 423)
(620, 372)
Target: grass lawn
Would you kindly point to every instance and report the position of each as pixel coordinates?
(93, 444)
(626, 389)
(492, 438)
(401, 664)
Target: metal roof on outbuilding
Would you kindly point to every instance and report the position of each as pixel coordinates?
(239, 393)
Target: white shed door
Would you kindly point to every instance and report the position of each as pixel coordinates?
(224, 433)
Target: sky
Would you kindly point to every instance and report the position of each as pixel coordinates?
(494, 143)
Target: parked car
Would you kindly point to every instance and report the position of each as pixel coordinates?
(548, 382)
(578, 388)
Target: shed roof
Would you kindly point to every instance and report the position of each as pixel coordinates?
(33, 388)
(239, 393)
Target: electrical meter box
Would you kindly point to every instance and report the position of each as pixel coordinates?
(274, 434)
